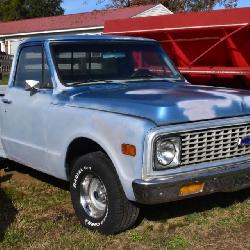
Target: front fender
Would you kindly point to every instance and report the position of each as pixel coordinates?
(109, 130)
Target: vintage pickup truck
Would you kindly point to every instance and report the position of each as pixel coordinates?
(115, 118)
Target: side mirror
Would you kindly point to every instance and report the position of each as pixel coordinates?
(31, 85)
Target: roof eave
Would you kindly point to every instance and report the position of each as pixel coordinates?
(52, 31)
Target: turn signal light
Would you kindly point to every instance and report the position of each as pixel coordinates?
(192, 188)
(128, 149)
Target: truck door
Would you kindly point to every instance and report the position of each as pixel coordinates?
(25, 112)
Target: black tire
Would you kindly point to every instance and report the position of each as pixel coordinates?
(120, 214)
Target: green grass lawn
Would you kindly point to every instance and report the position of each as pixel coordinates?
(36, 213)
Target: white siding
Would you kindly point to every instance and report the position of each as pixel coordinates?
(13, 45)
(2, 47)
(158, 10)
(8, 47)
(94, 32)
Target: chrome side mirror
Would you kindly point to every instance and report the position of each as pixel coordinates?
(31, 85)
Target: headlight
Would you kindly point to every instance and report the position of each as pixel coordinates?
(167, 153)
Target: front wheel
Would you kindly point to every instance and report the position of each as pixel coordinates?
(97, 195)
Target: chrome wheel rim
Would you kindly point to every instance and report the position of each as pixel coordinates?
(93, 196)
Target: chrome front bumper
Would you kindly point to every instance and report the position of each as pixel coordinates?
(227, 178)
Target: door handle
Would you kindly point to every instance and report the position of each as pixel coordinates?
(7, 101)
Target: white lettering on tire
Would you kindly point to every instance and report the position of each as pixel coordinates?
(96, 224)
(78, 174)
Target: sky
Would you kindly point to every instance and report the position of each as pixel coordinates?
(244, 3)
(77, 6)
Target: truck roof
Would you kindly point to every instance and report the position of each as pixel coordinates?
(86, 38)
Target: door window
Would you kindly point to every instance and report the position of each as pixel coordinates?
(32, 65)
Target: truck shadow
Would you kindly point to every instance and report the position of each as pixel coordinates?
(7, 210)
(12, 166)
(193, 205)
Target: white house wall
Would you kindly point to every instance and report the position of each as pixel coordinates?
(13, 45)
(2, 46)
(158, 10)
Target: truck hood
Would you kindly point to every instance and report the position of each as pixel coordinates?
(163, 102)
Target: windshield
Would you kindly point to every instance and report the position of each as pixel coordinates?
(81, 63)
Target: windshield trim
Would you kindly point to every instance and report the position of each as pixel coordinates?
(125, 81)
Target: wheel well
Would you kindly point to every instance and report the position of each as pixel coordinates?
(79, 147)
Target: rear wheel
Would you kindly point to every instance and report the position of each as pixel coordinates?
(97, 195)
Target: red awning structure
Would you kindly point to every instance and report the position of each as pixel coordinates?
(210, 48)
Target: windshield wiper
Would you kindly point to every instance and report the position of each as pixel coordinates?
(142, 76)
(89, 81)
(122, 81)
(173, 80)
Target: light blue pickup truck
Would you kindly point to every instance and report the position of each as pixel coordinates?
(114, 116)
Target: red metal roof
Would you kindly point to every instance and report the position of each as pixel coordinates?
(74, 21)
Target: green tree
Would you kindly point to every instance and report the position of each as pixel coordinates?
(173, 5)
(38, 8)
(21, 9)
(12, 10)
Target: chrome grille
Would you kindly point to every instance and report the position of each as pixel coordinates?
(213, 144)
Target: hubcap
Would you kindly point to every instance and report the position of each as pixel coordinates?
(93, 196)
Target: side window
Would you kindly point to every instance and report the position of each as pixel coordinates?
(32, 65)
(29, 66)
